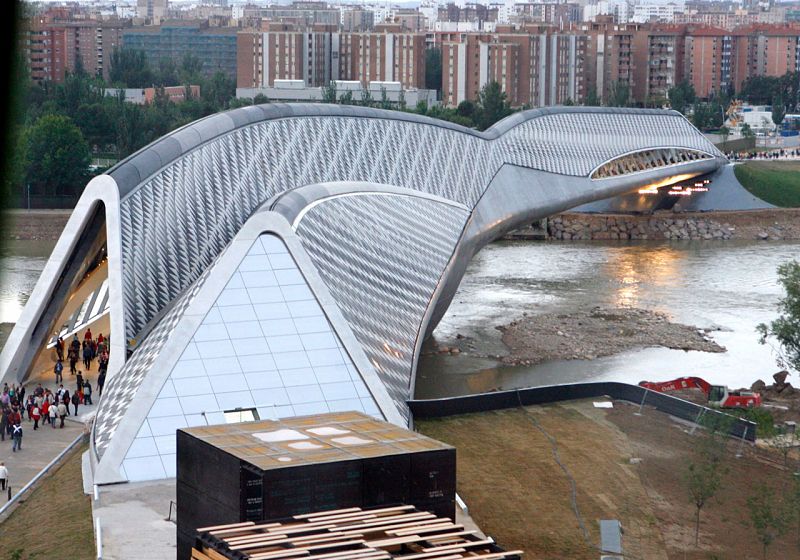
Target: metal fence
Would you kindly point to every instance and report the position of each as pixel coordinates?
(434, 408)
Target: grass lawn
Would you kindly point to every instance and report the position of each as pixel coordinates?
(54, 521)
(777, 182)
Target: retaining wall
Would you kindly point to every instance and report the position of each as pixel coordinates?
(435, 408)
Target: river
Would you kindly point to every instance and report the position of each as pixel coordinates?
(731, 285)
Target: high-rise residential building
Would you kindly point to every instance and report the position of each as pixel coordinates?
(391, 55)
(173, 40)
(301, 14)
(708, 53)
(320, 55)
(53, 44)
(765, 50)
(357, 19)
(533, 68)
(280, 53)
(154, 11)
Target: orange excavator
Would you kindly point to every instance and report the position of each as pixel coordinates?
(717, 395)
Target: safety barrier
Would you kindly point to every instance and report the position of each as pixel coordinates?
(434, 408)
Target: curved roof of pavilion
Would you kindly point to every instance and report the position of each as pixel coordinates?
(335, 234)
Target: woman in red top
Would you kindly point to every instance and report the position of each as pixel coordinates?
(36, 413)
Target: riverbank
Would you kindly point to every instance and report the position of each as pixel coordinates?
(584, 335)
(30, 225)
(771, 224)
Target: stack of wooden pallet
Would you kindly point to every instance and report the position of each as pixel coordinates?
(401, 532)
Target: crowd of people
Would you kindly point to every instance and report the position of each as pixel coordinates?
(770, 155)
(45, 406)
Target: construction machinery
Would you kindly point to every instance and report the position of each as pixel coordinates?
(717, 395)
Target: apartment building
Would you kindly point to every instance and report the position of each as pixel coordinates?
(53, 44)
(708, 54)
(214, 46)
(320, 55)
(533, 68)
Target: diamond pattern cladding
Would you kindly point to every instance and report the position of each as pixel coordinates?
(177, 221)
(576, 143)
(383, 280)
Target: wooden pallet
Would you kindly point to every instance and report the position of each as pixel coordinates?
(401, 532)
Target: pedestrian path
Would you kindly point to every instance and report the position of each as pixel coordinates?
(39, 447)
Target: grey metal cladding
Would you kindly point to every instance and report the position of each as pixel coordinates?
(177, 219)
(576, 143)
(384, 275)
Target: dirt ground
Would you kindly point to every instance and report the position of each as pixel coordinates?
(625, 467)
(585, 335)
(54, 521)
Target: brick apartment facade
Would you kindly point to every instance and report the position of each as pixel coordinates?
(319, 56)
(52, 45)
(533, 68)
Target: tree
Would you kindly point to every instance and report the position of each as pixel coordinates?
(746, 131)
(681, 96)
(129, 68)
(385, 103)
(191, 69)
(725, 132)
(705, 472)
(366, 98)
(433, 69)
(618, 94)
(778, 109)
(218, 91)
(56, 156)
(591, 98)
(260, 99)
(466, 109)
(767, 516)
(329, 93)
(786, 328)
(493, 105)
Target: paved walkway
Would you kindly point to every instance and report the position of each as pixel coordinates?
(39, 447)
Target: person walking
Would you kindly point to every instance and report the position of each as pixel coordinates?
(79, 381)
(66, 400)
(73, 360)
(16, 436)
(101, 379)
(60, 349)
(87, 355)
(3, 476)
(87, 392)
(76, 400)
(37, 414)
(59, 369)
(62, 413)
(52, 411)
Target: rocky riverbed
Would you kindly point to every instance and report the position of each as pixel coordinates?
(586, 335)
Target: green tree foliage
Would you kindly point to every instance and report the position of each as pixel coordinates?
(466, 109)
(786, 328)
(747, 131)
(707, 116)
(681, 96)
(767, 516)
(778, 109)
(329, 93)
(129, 68)
(592, 100)
(619, 95)
(762, 90)
(56, 156)
(433, 69)
(493, 105)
